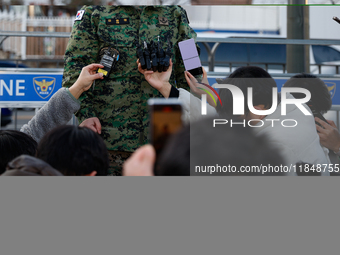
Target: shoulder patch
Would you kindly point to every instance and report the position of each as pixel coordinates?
(79, 15)
(163, 21)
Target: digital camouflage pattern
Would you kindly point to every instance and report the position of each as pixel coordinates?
(117, 159)
(120, 102)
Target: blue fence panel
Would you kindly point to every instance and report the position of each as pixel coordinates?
(33, 87)
(38, 87)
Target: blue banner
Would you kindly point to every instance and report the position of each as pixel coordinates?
(28, 87)
(332, 84)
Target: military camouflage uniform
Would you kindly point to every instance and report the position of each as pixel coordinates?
(120, 102)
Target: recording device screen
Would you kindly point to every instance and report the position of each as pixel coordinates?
(192, 62)
(108, 60)
(165, 119)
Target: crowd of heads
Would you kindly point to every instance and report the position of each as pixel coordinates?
(71, 150)
(79, 151)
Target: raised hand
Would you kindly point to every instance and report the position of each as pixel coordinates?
(159, 81)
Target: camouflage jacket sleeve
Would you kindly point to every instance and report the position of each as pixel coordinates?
(82, 50)
(185, 33)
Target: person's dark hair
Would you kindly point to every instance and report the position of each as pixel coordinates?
(244, 78)
(249, 72)
(175, 157)
(202, 145)
(74, 150)
(320, 96)
(13, 144)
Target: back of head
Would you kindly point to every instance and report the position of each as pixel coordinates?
(201, 145)
(320, 95)
(25, 165)
(175, 157)
(13, 144)
(249, 72)
(74, 150)
(229, 145)
(244, 78)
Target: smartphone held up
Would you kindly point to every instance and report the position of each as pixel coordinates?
(165, 120)
(192, 62)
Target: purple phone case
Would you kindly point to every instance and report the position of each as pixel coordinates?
(189, 54)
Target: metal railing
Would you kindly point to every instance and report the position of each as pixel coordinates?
(205, 40)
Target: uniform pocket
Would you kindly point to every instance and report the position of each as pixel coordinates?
(120, 36)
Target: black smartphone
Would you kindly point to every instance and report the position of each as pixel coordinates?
(165, 119)
(336, 19)
(316, 113)
(192, 62)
